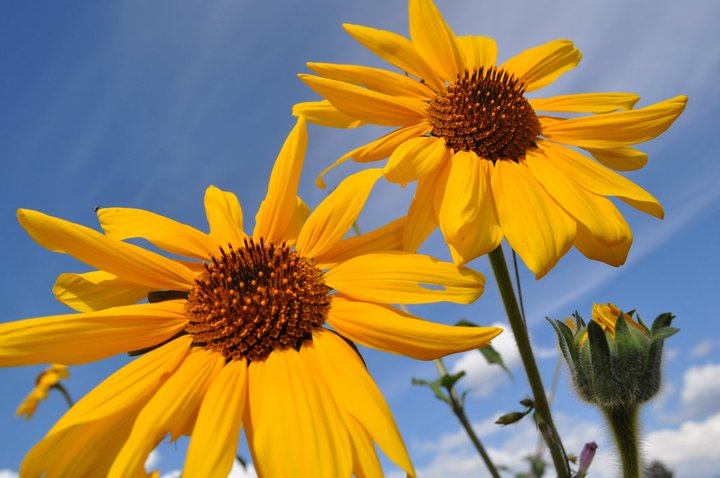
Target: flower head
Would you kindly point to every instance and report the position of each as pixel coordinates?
(490, 161)
(47, 379)
(250, 330)
(615, 360)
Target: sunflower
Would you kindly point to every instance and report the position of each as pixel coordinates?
(47, 379)
(236, 335)
(488, 163)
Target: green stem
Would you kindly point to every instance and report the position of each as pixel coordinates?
(64, 392)
(623, 422)
(517, 324)
(459, 411)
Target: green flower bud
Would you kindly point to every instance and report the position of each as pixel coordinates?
(614, 360)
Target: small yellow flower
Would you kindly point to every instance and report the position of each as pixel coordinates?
(252, 330)
(47, 379)
(491, 162)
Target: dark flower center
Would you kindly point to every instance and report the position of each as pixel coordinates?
(256, 299)
(485, 111)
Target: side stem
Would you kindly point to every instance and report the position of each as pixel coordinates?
(623, 423)
(459, 411)
(542, 408)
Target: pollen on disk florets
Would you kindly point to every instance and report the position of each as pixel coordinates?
(485, 111)
(253, 300)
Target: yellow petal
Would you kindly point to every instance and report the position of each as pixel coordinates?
(380, 148)
(623, 158)
(415, 159)
(597, 103)
(295, 425)
(483, 233)
(590, 247)
(540, 66)
(460, 203)
(80, 338)
(534, 224)
(333, 217)
(224, 216)
(365, 460)
(396, 50)
(215, 437)
(367, 105)
(386, 328)
(405, 278)
(434, 40)
(356, 392)
(83, 450)
(600, 180)
(126, 261)
(298, 216)
(168, 411)
(171, 236)
(382, 81)
(595, 212)
(96, 290)
(386, 238)
(133, 384)
(276, 212)
(424, 208)
(478, 52)
(617, 129)
(324, 114)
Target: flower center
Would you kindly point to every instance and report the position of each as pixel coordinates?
(485, 111)
(256, 299)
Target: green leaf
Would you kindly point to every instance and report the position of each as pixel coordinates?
(449, 381)
(435, 386)
(493, 357)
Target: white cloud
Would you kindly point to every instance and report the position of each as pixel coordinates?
(237, 471)
(701, 390)
(8, 474)
(690, 450)
(152, 460)
(452, 455)
(701, 349)
(483, 378)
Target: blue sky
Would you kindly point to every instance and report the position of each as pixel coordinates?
(145, 104)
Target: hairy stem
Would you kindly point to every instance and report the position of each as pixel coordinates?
(623, 423)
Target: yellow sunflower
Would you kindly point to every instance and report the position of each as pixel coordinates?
(236, 336)
(47, 379)
(488, 164)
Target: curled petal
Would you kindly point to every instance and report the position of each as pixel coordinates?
(540, 66)
(324, 114)
(224, 216)
(96, 290)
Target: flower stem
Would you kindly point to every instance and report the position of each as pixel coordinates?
(623, 422)
(542, 408)
(64, 392)
(459, 410)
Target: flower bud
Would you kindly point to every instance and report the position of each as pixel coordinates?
(615, 359)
